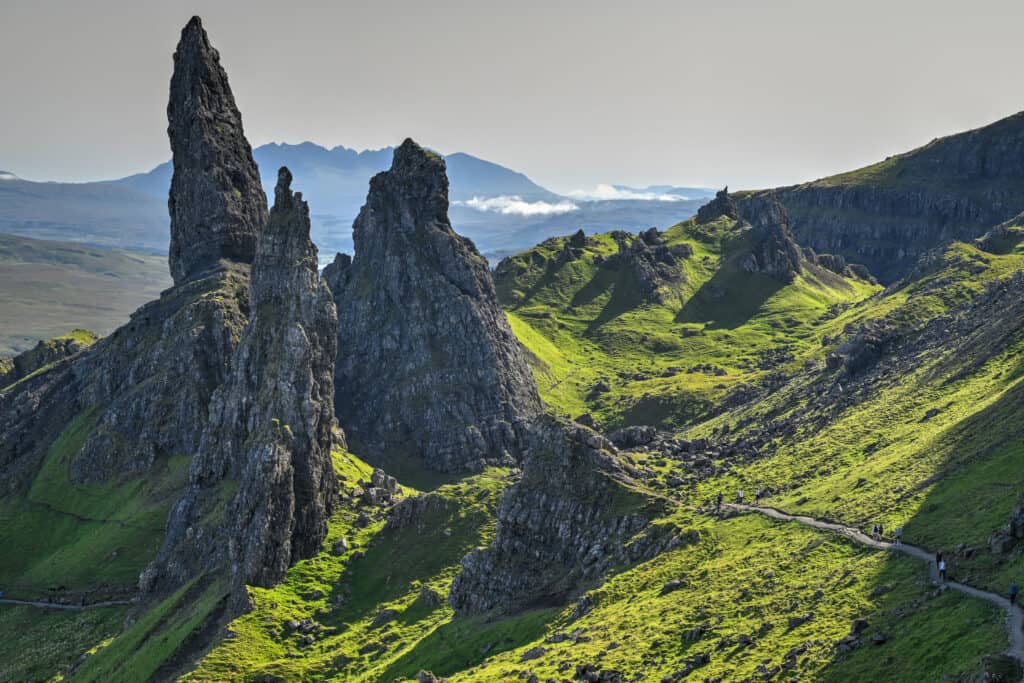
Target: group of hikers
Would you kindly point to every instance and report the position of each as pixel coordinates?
(878, 534)
(942, 567)
(740, 497)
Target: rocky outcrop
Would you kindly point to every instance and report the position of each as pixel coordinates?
(269, 433)
(43, 354)
(654, 266)
(721, 205)
(155, 376)
(772, 250)
(216, 202)
(573, 516)
(887, 215)
(428, 366)
(234, 365)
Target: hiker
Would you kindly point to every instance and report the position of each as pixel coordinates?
(739, 496)
(881, 531)
(942, 571)
(874, 532)
(758, 495)
(899, 535)
(1013, 594)
(938, 557)
(718, 501)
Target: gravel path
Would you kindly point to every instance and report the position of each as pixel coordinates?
(1015, 622)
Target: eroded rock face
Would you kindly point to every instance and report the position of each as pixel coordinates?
(954, 188)
(428, 365)
(774, 250)
(217, 204)
(721, 205)
(43, 354)
(234, 365)
(571, 518)
(266, 448)
(153, 378)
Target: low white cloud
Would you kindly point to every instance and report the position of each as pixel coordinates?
(7, 176)
(517, 206)
(611, 192)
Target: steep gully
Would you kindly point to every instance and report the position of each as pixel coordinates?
(1015, 623)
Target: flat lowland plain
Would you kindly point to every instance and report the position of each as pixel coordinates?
(49, 288)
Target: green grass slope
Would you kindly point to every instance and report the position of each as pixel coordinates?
(597, 346)
(933, 442)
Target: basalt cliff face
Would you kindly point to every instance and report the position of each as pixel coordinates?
(888, 215)
(428, 365)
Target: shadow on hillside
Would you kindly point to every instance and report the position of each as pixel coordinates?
(729, 299)
(977, 485)
(463, 643)
(625, 296)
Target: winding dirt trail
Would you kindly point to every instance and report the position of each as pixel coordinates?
(57, 605)
(1015, 622)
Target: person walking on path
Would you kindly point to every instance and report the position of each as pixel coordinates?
(1013, 594)
(942, 571)
(899, 536)
(881, 531)
(874, 532)
(739, 497)
(718, 501)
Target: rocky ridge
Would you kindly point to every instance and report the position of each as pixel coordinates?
(429, 366)
(888, 215)
(43, 354)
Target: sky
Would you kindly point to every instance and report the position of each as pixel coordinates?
(572, 93)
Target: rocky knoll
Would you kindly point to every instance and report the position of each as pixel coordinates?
(889, 214)
(270, 426)
(573, 516)
(773, 250)
(654, 266)
(721, 205)
(213, 165)
(43, 354)
(428, 365)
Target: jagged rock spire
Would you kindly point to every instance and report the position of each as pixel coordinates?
(428, 364)
(270, 424)
(217, 204)
(721, 205)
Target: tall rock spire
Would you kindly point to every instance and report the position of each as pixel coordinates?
(217, 204)
(270, 424)
(428, 365)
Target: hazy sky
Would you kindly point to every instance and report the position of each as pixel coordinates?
(572, 93)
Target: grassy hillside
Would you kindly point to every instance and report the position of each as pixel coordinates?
(51, 288)
(920, 432)
(599, 346)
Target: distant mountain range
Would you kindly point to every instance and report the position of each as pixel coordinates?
(502, 210)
